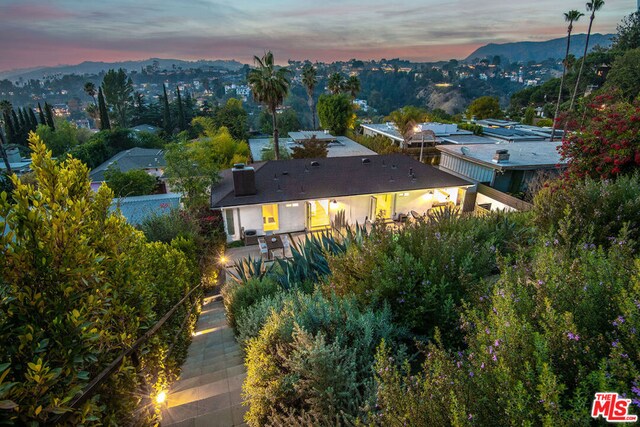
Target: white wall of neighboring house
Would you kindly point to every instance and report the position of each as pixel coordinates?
(481, 199)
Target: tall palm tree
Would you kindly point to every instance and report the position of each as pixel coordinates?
(352, 86)
(593, 6)
(270, 87)
(335, 84)
(90, 89)
(570, 17)
(309, 80)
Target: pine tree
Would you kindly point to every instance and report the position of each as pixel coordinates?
(104, 114)
(167, 112)
(182, 123)
(43, 120)
(49, 115)
(32, 119)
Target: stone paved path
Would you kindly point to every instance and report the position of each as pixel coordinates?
(207, 394)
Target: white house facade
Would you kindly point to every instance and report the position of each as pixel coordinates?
(306, 194)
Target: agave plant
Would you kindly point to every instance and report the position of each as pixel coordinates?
(249, 268)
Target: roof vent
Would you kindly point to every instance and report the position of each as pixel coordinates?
(394, 167)
(366, 160)
(285, 173)
(315, 163)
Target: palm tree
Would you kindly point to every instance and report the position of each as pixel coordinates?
(335, 83)
(406, 120)
(270, 87)
(90, 89)
(309, 80)
(570, 17)
(352, 86)
(593, 6)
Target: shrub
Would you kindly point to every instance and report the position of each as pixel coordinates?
(165, 228)
(380, 144)
(540, 341)
(79, 284)
(313, 358)
(239, 296)
(593, 211)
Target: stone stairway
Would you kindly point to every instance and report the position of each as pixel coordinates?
(208, 392)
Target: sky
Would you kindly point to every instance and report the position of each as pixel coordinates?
(56, 32)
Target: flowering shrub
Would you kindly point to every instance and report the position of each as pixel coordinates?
(609, 143)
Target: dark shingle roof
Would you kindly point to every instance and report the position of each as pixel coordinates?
(288, 180)
(135, 158)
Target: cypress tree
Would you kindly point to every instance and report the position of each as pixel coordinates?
(49, 115)
(104, 114)
(16, 138)
(43, 120)
(32, 119)
(167, 112)
(182, 122)
(23, 124)
(9, 128)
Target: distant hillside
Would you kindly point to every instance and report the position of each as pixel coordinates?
(539, 51)
(88, 67)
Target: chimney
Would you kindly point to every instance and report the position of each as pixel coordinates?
(244, 180)
(501, 156)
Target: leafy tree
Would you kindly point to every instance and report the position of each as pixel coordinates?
(61, 140)
(625, 74)
(529, 115)
(406, 120)
(335, 84)
(310, 149)
(234, 117)
(135, 182)
(628, 34)
(79, 284)
(118, 89)
(269, 86)
(309, 81)
(592, 6)
(105, 123)
(335, 113)
(485, 107)
(193, 166)
(570, 17)
(288, 122)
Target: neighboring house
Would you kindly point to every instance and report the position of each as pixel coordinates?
(337, 146)
(136, 209)
(389, 130)
(150, 160)
(504, 167)
(18, 165)
(306, 194)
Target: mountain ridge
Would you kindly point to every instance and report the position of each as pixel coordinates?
(95, 67)
(539, 51)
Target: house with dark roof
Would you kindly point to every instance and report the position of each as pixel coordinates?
(151, 160)
(306, 194)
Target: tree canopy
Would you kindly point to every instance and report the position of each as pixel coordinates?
(485, 107)
(336, 113)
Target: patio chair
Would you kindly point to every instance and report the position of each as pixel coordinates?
(263, 247)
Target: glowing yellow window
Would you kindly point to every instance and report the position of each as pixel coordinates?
(270, 218)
